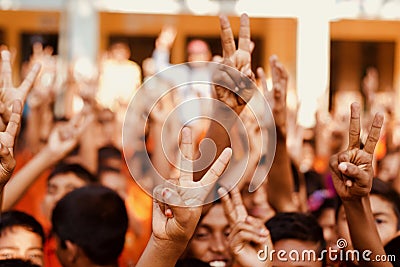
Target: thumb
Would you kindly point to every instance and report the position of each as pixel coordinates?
(349, 169)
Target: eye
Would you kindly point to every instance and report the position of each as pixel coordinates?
(379, 221)
(6, 255)
(227, 232)
(202, 235)
(36, 256)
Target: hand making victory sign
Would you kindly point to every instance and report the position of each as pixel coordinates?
(352, 169)
(177, 207)
(248, 234)
(235, 71)
(7, 142)
(9, 93)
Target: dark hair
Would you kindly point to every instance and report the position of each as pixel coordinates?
(109, 151)
(327, 203)
(77, 169)
(95, 219)
(16, 263)
(392, 248)
(296, 225)
(14, 218)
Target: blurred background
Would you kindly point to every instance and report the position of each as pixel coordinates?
(327, 46)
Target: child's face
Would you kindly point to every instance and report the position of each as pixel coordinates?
(19, 243)
(57, 188)
(385, 220)
(209, 242)
(328, 223)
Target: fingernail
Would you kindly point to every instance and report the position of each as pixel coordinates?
(166, 193)
(349, 183)
(222, 191)
(264, 232)
(342, 167)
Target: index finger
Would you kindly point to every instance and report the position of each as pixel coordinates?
(354, 130)
(244, 33)
(240, 209)
(186, 157)
(6, 69)
(374, 134)
(15, 119)
(227, 40)
(261, 76)
(217, 168)
(227, 204)
(28, 81)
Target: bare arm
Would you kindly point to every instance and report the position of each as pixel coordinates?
(352, 175)
(61, 141)
(280, 185)
(234, 73)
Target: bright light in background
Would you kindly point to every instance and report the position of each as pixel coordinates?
(313, 41)
(202, 7)
(139, 6)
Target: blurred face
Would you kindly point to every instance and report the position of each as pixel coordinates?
(385, 220)
(328, 223)
(19, 243)
(256, 203)
(289, 245)
(198, 51)
(209, 242)
(389, 167)
(116, 181)
(120, 52)
(58, 187)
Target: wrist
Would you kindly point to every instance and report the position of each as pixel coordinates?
(49, 155)
(171, 247)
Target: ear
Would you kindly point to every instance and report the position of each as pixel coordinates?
(73, 251)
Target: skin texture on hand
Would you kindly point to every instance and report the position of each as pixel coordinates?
(248, 234)
(235, 71)
(177, 207)
(352, 169)
(9, 93)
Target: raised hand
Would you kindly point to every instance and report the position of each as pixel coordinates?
(7, 142)
(64, 138)
(9, 93)
(248, 235)
(352, 170)
(235, 71)
(178, 209)
(277, 97)
(166, 38)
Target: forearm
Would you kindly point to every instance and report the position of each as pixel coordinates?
(358, 212)
(159, 158)
(280, 182)
(221, 123)
(23, 179)
(161, 253)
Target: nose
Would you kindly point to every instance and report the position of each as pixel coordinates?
(259, 196)
(218, 244)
